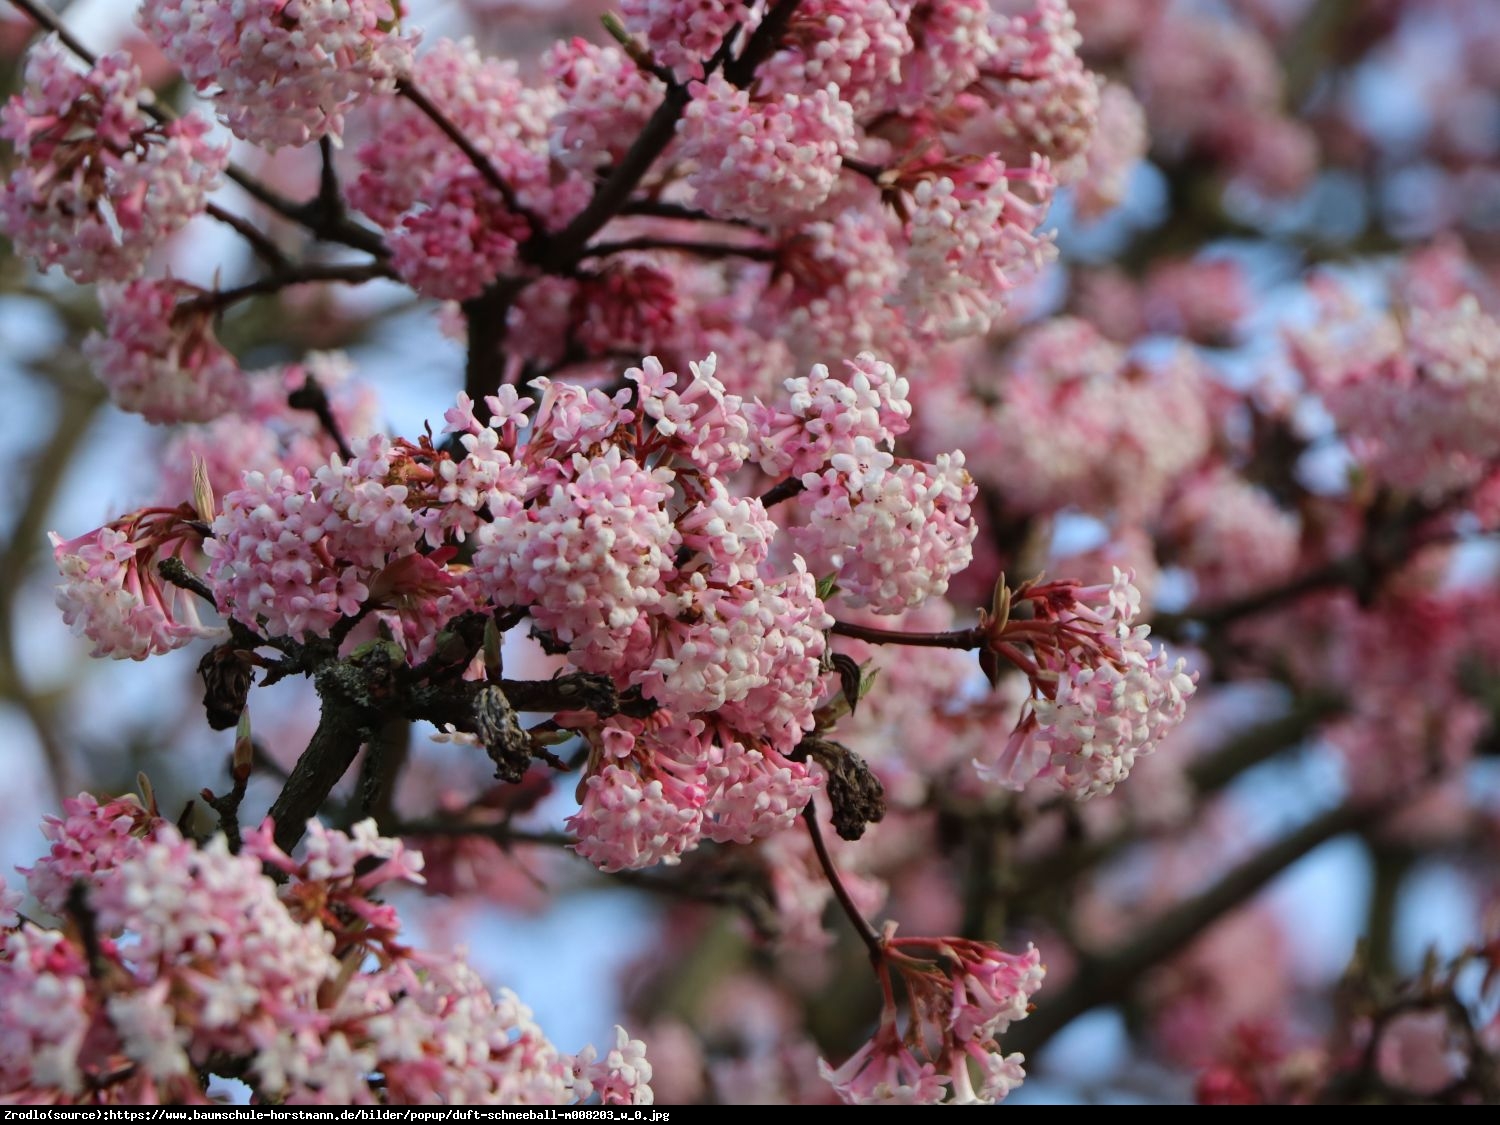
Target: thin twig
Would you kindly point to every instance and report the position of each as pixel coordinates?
(292, 274)
(683, 246)
(501, 832)
(1107, 977)
(265, 249)
(860, 923)
(47, 18)
(957, 638)
(311, 396)
(482, 163)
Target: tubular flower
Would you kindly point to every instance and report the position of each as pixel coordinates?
(112, 593)
(961, 996)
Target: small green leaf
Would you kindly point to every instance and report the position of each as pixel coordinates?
(827, 586)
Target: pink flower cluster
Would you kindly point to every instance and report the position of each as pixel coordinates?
(1417, 398)
(283, 73)
(450, 230)
(682, 34)
(1079, 424)
(112, 593)
(662, 786)
(606, 97)
(614, 526)
(1101, 697)
(97, 185)
(1036, 95)
(767, 162)
(857, 45)
(158, 356)
(181, 959)
(962, 996)
(971, 231)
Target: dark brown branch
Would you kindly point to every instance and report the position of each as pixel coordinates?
(763, 41)
(1208, 774)
(329, 193)
(860, 923)
(661, 209)
(329, 223)
(342, 730)
(1341, 572)
(291, 274)
(684, 246)
(560, 252)
(228, 807)
(1108, 977)
(482, 163)
(45, 17)
(312, 397)
(266, 250)
(957, 638)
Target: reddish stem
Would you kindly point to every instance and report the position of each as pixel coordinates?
(958, 638)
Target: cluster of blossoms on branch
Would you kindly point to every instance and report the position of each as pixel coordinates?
(168, 959)
(741, 191)
(99, 182)
(894, 159)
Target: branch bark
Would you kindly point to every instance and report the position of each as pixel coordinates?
(1108, 977)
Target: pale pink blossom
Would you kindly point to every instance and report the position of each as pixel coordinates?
(158, 355)
(770, 161)
(198, 960)
(283, 73)
(627, 821)
(88, 842)
(607, 100)
(1035, 95)
(826, 416)
(97, 184)
(961, 996)
(112, 593)
(971, 235)
(589, 558)
(1101, 697)
(684, 34)
(893, 534)
(953, 40)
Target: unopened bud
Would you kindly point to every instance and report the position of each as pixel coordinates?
(203, 491)
(244, 748)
